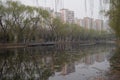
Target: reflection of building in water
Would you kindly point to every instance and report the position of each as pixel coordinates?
(100, 57)
(48, 61)
(68, 68)
(90, 59)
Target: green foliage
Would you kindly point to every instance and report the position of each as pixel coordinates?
(21, 24)
(74, 32)
(114, 15)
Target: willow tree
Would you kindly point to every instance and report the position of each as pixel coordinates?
(114, 15)
(19, 22)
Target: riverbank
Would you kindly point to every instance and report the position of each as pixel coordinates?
(12, 45)
(23, 45)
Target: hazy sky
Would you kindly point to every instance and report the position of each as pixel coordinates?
(92, 8)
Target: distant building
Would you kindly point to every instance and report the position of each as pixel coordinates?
(67, 15)
(77, 21)
(48, 9)
(88, 22)
(82, 24)
(58, 15)
(98, 24)
(91, 23)
(106, 1)
(95, 24)
(106, 25)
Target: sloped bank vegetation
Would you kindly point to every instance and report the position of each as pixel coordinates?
(114, 16)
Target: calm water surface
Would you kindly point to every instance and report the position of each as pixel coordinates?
(56, 63)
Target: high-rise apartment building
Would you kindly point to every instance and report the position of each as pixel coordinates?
(88, 22)
(58, 15)
(99, 24)
(106, 25)
(67, 15)
(106, 1)
(77, 21)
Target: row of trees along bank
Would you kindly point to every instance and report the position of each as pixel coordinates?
(20, 24)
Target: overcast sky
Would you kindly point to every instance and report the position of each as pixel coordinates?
(92, 8)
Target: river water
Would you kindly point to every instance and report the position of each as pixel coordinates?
(56, 63)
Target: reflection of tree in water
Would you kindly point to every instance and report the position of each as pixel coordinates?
(115, 65)
(39, 63)
(22, 66)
